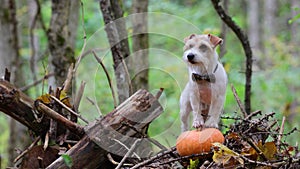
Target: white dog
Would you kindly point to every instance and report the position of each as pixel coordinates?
(204, 94)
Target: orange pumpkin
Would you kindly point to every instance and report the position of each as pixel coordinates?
(195, 142)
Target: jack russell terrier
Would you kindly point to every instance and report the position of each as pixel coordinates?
(204, 93)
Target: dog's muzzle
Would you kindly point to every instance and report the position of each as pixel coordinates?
(191, 57)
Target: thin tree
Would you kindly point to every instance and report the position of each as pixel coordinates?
(10, 59)
(117, 36)
(246, 46)
(139, 60)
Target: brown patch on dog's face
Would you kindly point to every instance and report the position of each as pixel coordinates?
(199, 42)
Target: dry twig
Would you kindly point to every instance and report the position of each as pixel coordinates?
(27, 149)
(68, 81)
(95, 104)
(84, 40)
(69, 109)
(36, 82)
(79, 96)
(281, 130)
(153, 158)
(238, 101)
(108, 78)
(129, 152)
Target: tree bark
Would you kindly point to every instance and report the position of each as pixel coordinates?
(139, 60)
(61, 52)
(117, 37)
(20, 107)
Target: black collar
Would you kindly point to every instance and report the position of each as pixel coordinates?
(206, 77)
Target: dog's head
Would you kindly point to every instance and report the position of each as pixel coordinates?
(199, 50)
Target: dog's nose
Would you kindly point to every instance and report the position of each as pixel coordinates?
(190, 56)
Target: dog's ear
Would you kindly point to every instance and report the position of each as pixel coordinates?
(215, 40)
(189, 37)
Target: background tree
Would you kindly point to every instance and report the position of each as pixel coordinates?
(138, 61)
(60, 45)
(117, 37)
(254, 29)
(10, 59)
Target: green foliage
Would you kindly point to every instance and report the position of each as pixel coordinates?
(296, 17)
(67, 160)
(193, 164)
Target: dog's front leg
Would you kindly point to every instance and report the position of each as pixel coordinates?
(198, 121)
(215, 112)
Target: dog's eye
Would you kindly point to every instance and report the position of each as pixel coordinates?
(191, 46)
(203, 47)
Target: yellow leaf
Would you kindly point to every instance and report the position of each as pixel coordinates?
(63, 94)
(222, 154)
(64, 98)
(46, 99)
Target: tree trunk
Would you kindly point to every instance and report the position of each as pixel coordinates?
(139, 60)
(270, 28)
(270, 23)
(253, 23)
(33, 39)
(61, 52)
(254, 30)
(224, 31)
(73, 27)
(117, 37)
(10, 58)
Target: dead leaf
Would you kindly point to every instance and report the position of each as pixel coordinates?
(223, 155)
(46, 99)
(269, 149)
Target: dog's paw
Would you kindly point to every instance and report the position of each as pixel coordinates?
(211, 125)
(198, 124)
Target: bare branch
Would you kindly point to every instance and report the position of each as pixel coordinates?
(84, 40)
(95, 104)
(68, 81)
(108, 78)
(69, 109)
(281, 130)
(27, 149)
(25, 88)
(77, 129)
(79, 96)
(238, 101)
(246, 46)
(129, 152)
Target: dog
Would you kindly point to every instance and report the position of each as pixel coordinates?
(204, 94)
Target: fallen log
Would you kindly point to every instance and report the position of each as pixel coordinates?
(20, 107)
(113, 134)
(109, 135)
